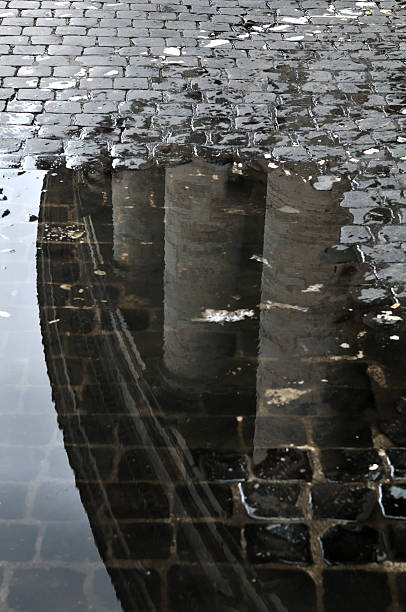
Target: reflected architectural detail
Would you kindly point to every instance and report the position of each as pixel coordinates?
(222, 460)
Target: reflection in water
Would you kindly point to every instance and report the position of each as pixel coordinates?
(224, 461)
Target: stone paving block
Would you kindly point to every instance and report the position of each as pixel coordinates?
(352, 545)
(278, 542)
(356, 588)
(271, 501)
(342, 502)
(42, 590)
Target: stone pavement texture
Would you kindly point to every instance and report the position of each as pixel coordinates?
(134, 80)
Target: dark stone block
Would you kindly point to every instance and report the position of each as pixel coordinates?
(279, 542)
(137, 500)
(137, 319)
(217, 465)
(142, 541)
(401, 586)
(270, 501)
(394, 429)
(283, 464)
(64, 273)
(272, 431)
(69, 542)
(46, 590)
(236, 403)
(350, 503)
(356, 590)
(351, 465)
(74, 369)
(208, 542)
(350, 432)
(87, 429)
(393, 500)
(147, 431)
(294, 589)
(17, 541)
(74, 320)
(149, 464)
(196, 501)
(190, 588)
(90, 462)
(397, 459)
(352, 544)
(140, 589)
(215, 432)
(397, 541)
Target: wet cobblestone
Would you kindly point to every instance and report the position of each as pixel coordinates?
(102, 78)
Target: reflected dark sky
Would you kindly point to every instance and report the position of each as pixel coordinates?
(208, 406)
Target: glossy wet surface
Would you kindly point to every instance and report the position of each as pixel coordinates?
(202, 389)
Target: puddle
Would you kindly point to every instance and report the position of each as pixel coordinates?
(201, 388)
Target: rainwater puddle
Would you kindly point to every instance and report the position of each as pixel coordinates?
(202, 402)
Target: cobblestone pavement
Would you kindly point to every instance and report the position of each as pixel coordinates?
(294, 79)
(286, 486)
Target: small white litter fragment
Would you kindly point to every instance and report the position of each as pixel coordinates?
(217, 43)
(172, 51)
(295, 20)
(225, 316)
(313, 288)
(260, 259)
(4, 314)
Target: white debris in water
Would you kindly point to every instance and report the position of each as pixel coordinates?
(373, 467)
(100, 272)
(284, 396)
(387, 316)
(345, 345)
(295, 20)
(398, 493)
(268, 305)
(394, 337)
(4, 314)
(313, 288)
(172, 51)
(325, 182)
(53, 321)
(260, 259)
(280, 28)
(370, 151)
(217, 43)
(222, 316)
(289, 210)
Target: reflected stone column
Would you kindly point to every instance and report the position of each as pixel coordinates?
(202, 259)
(138, 211)
(303, 299)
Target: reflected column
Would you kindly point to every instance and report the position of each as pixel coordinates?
(202, 259)
(305, 320)
(138, 252)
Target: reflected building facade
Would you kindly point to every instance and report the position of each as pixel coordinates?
(194, 441)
